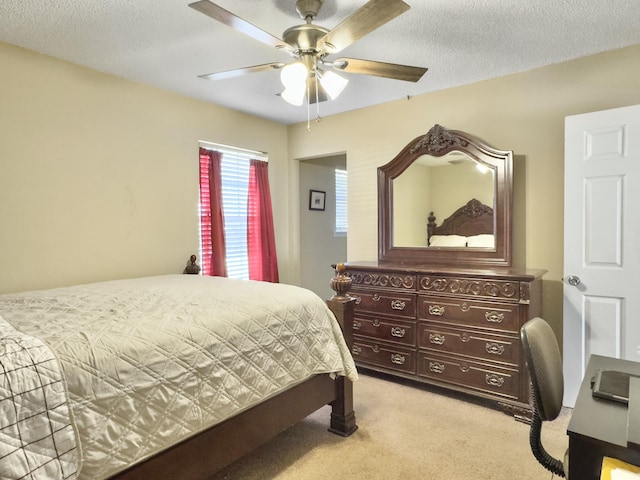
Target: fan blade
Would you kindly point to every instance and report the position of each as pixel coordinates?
(380, 69)
(224, 16)
(366, 19)
(242, 71)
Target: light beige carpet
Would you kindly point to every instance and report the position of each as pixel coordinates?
(405, 433)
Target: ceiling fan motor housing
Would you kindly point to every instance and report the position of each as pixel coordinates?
(308, 8)
(304, 38)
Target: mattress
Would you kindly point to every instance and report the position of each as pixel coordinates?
(151, 361)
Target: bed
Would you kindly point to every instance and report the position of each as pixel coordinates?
(471, 225)
(164, 377)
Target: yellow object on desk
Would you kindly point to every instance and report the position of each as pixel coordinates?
(610, 464)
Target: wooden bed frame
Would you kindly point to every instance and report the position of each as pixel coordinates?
(473, 218)
(206, 453)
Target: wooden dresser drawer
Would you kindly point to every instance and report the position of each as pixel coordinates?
(383, 302)
(494, 315)
(380, 279)
(373, 353)
(474, 343)
(478, 376)
(480, 288)
(382, 328)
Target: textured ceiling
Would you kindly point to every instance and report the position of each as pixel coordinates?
(166, 44)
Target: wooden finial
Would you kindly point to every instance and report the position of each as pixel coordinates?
(341, 283)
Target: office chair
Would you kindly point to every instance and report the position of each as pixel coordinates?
(544, 363)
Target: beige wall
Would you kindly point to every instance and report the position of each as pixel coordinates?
(522, 112)
(99, 176)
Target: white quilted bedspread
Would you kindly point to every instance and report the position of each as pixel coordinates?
(151, 361)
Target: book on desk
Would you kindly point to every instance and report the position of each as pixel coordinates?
(621, 387)
(612, 385)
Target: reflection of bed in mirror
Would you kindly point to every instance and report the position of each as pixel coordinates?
(471, 225)
(437, 184)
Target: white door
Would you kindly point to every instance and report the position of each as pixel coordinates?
(601, 240)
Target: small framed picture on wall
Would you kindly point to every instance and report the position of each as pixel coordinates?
(316, 200)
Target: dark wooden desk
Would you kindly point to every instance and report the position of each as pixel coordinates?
(599, 427)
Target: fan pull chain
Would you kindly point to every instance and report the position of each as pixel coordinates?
(317, 99)
(308, 108)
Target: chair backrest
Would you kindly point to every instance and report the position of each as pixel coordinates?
(544, 363)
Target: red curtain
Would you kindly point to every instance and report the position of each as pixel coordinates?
(211, 218)
(261, 243)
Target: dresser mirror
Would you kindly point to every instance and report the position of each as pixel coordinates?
(445, 199)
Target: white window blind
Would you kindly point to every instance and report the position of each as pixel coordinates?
(235, 184)
(341, 201)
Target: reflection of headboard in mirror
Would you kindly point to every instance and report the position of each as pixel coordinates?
(473, 222)
(440, 142)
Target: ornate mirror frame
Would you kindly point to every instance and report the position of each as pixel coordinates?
(439, 142)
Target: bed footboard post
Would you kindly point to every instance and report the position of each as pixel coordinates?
(343, 418)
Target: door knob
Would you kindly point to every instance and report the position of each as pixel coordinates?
(573, 280)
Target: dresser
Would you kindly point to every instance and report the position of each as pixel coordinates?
(452, 327)
(443, 304)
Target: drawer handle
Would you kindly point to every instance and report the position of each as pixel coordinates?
(436, 310)
(356, 325)
(358, 299)
(375, 297)
(397, 359)
(436, 367)
(495, 348)
(376, 322)
(436, 338)
(494, 380)
(356, 349)
(398, 305)
(398, 332)
(375, 348)
(494, 317)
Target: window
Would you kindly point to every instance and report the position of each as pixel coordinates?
(341, 201)
(234, 172)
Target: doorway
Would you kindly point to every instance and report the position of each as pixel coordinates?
(320, 244)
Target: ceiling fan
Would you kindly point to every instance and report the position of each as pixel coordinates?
(311, 74)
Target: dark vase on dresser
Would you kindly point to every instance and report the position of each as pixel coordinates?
(443, 305)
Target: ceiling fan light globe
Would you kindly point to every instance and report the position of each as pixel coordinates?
(293, 96)
(294, 76)
(333, 84)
